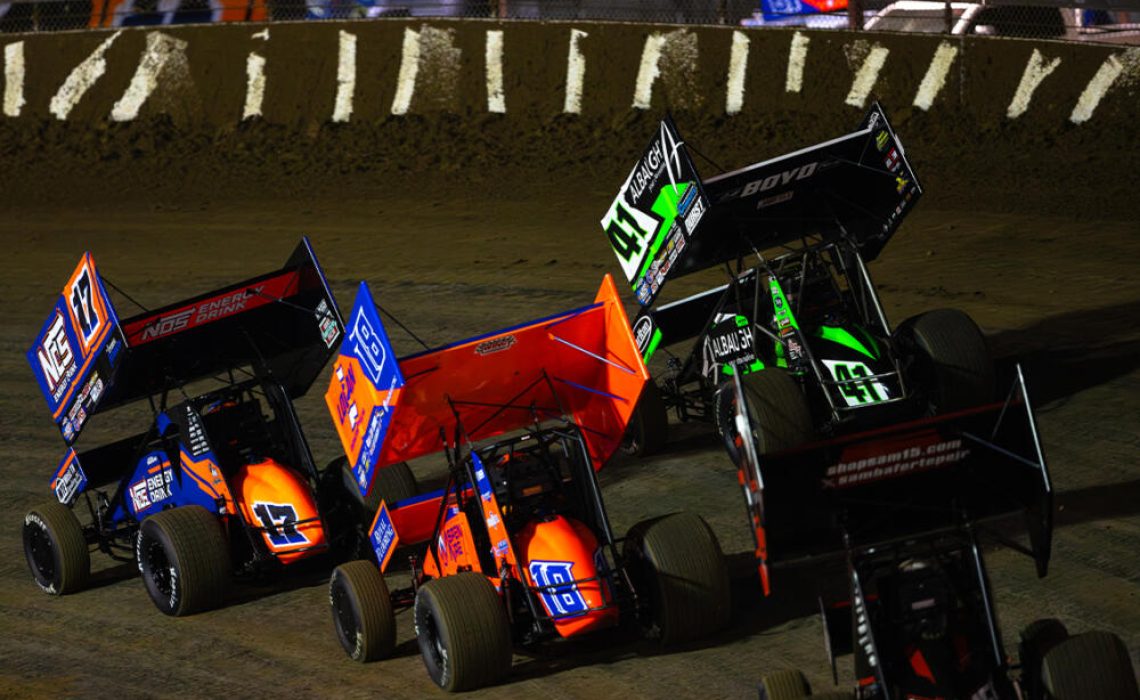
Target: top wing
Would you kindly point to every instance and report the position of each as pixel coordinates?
(858, 186)
(657, 211)
(581, 363)
(284, 324)
(78, 351)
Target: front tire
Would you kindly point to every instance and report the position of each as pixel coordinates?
(1036, 640)
(788, 684)
(648, 427)
(951, 363)
(184, 560)
(362, 611)
(56, 549)
(1089, 665)
(777, 411)
(463, 632)
(677, 566)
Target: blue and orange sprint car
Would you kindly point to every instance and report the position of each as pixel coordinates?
(221, 481)
(517, 546)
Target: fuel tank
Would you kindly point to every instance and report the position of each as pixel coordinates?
(557, 550)
(274, 497)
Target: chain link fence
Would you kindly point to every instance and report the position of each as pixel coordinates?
(1115, 21)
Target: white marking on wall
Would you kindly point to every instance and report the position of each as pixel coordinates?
(867, 76)
(409, 68)
(254, 85)
(80, 80)
(575, 73)
(254, 79)
(935, 78)
(737, 70)
(671, 60)
(13, 79)
(797, 57)
(161, 51)
(1036, 70)
(1105, 76)
(496, 101)
(345, 77)
(648, 71)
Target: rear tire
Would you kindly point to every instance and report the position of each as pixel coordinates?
(1089, 665)
(777, 410)
(392, 483)
(184, 560)
(951, 363)
(788, 684)
(1036, 640)
(362, 612)
(56, 549)
(648, 427)
(463, 632)
(679, 569)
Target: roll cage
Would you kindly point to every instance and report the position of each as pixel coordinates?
(543, 470)
(826, 283)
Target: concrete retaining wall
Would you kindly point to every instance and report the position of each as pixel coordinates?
(315, 105)
(311, 73)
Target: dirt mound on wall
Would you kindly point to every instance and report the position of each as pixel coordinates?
(1069, 171)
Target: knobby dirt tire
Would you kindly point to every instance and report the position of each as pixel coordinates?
(952, 363)
(184, 560)
(678, 565)
(391, 483)
(787, 684)
(1036, 640)
(56, 549)
(648, 427)
(363, 618)
(1090, 665)
(777, 410)
(463, 632)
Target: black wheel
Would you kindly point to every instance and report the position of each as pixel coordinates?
(1037, 639)
(184, 560)
(1089, 665)
(463, 631)
(648, 427)
(56, 549)
(392, 483)
(951, 363)
(777, 409)
(362, 611)
(788, 684)
(680, 572)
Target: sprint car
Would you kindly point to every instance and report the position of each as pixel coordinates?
(907, 507)
(221, 481)
(798, 316)
(517, 547)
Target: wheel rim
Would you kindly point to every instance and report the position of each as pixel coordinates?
(435, 643)
(159, 571)
(345, 620)
(40, 552)
(629, 442)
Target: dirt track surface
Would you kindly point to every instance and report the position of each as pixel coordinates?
(1058, 293)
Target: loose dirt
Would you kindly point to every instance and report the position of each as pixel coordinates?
(462, 238)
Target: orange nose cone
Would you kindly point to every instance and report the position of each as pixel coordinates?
(274, 497)
(558, 554)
